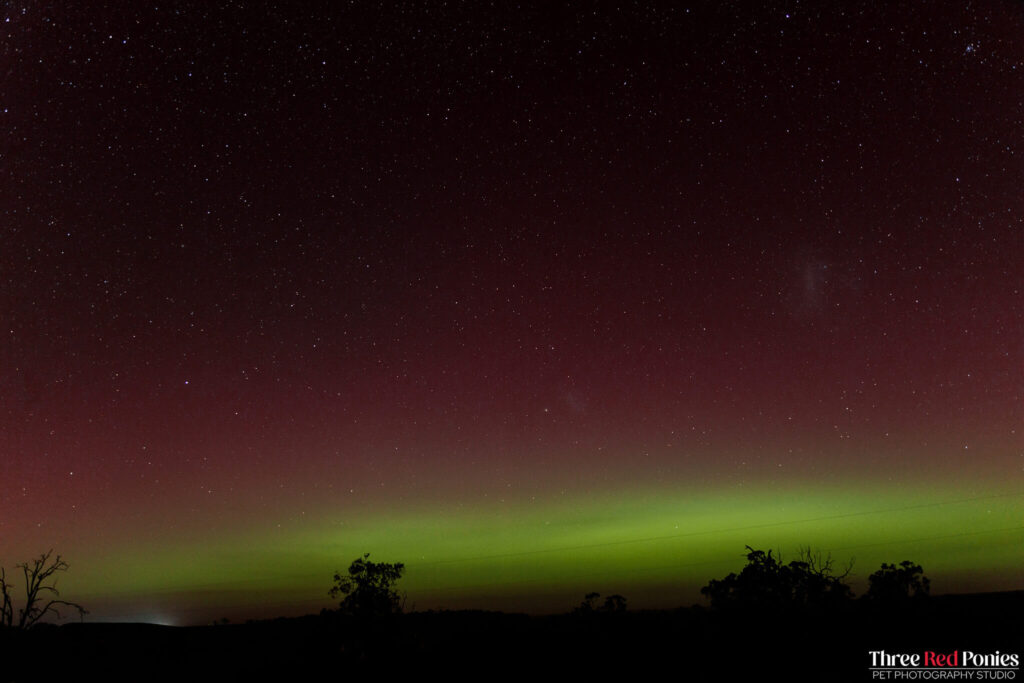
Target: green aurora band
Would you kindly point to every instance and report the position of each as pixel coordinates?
(657, 548)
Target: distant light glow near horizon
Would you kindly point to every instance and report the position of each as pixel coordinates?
(538, 301)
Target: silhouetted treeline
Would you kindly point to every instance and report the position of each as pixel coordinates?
(812, 582)
(797, 617)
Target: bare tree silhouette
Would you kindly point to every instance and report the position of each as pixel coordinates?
(40, 584)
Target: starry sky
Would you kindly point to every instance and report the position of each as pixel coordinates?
(537, 300)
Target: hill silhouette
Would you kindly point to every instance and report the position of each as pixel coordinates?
(700, 643)
(797, 617)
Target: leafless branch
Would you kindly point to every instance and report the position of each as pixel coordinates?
(40, 581)
(823, 566)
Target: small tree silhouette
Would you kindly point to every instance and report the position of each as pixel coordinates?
(615, 604)
(612, 604)
(589, 604)
(40, 582)
(894, 585)
(368, 588)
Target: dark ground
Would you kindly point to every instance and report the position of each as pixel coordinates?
(695, 644)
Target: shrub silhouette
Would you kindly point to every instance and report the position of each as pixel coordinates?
(368, 588)
(765, 583)
(894, 585)
(612, 604)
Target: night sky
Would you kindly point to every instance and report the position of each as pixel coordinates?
(538, 301)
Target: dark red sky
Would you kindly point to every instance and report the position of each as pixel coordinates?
(436, 251)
